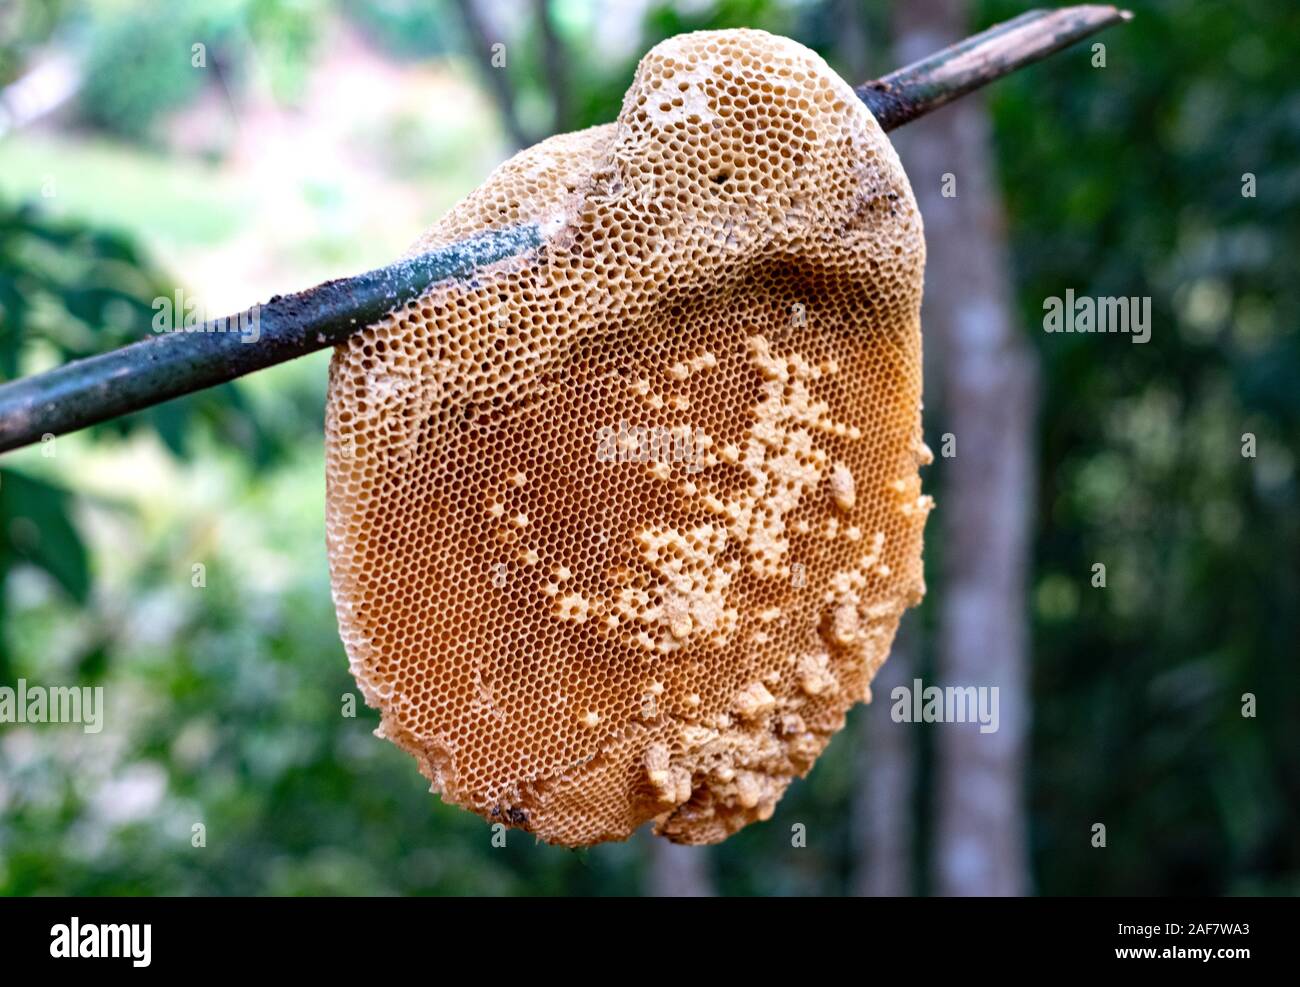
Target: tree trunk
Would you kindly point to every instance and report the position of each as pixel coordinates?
(480, 46)
(678, 871)
(883, 800)
(987, 399)
(554, 58)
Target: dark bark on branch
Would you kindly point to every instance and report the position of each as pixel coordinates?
(929, 83)
(156, 370)
(171, 364)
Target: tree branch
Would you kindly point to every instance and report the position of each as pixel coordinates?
(157, 369)
(553, 56)
(497, 81)
(915, 90)
(178, 362)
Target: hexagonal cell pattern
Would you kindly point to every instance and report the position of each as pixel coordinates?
(620, 528)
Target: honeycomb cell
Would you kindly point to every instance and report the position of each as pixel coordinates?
(620, 528)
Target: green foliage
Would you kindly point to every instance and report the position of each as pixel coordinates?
(68, 291)
(155, 57)
(283, 36)
(1127, 181)
(75, 289)
(24, 24)
(40, 532)
(405, 28)
(229, 696)
(139, 68)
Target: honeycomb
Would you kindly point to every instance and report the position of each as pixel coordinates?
(621, 527)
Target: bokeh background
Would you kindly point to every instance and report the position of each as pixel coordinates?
(319, 137)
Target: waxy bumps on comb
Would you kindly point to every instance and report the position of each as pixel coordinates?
(620, 528)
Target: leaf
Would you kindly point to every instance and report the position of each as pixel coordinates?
(35, 528)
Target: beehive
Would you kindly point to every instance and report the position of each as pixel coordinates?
(620, 528)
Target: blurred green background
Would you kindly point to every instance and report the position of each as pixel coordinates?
(319, 138)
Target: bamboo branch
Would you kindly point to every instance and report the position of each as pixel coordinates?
(166, 366)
